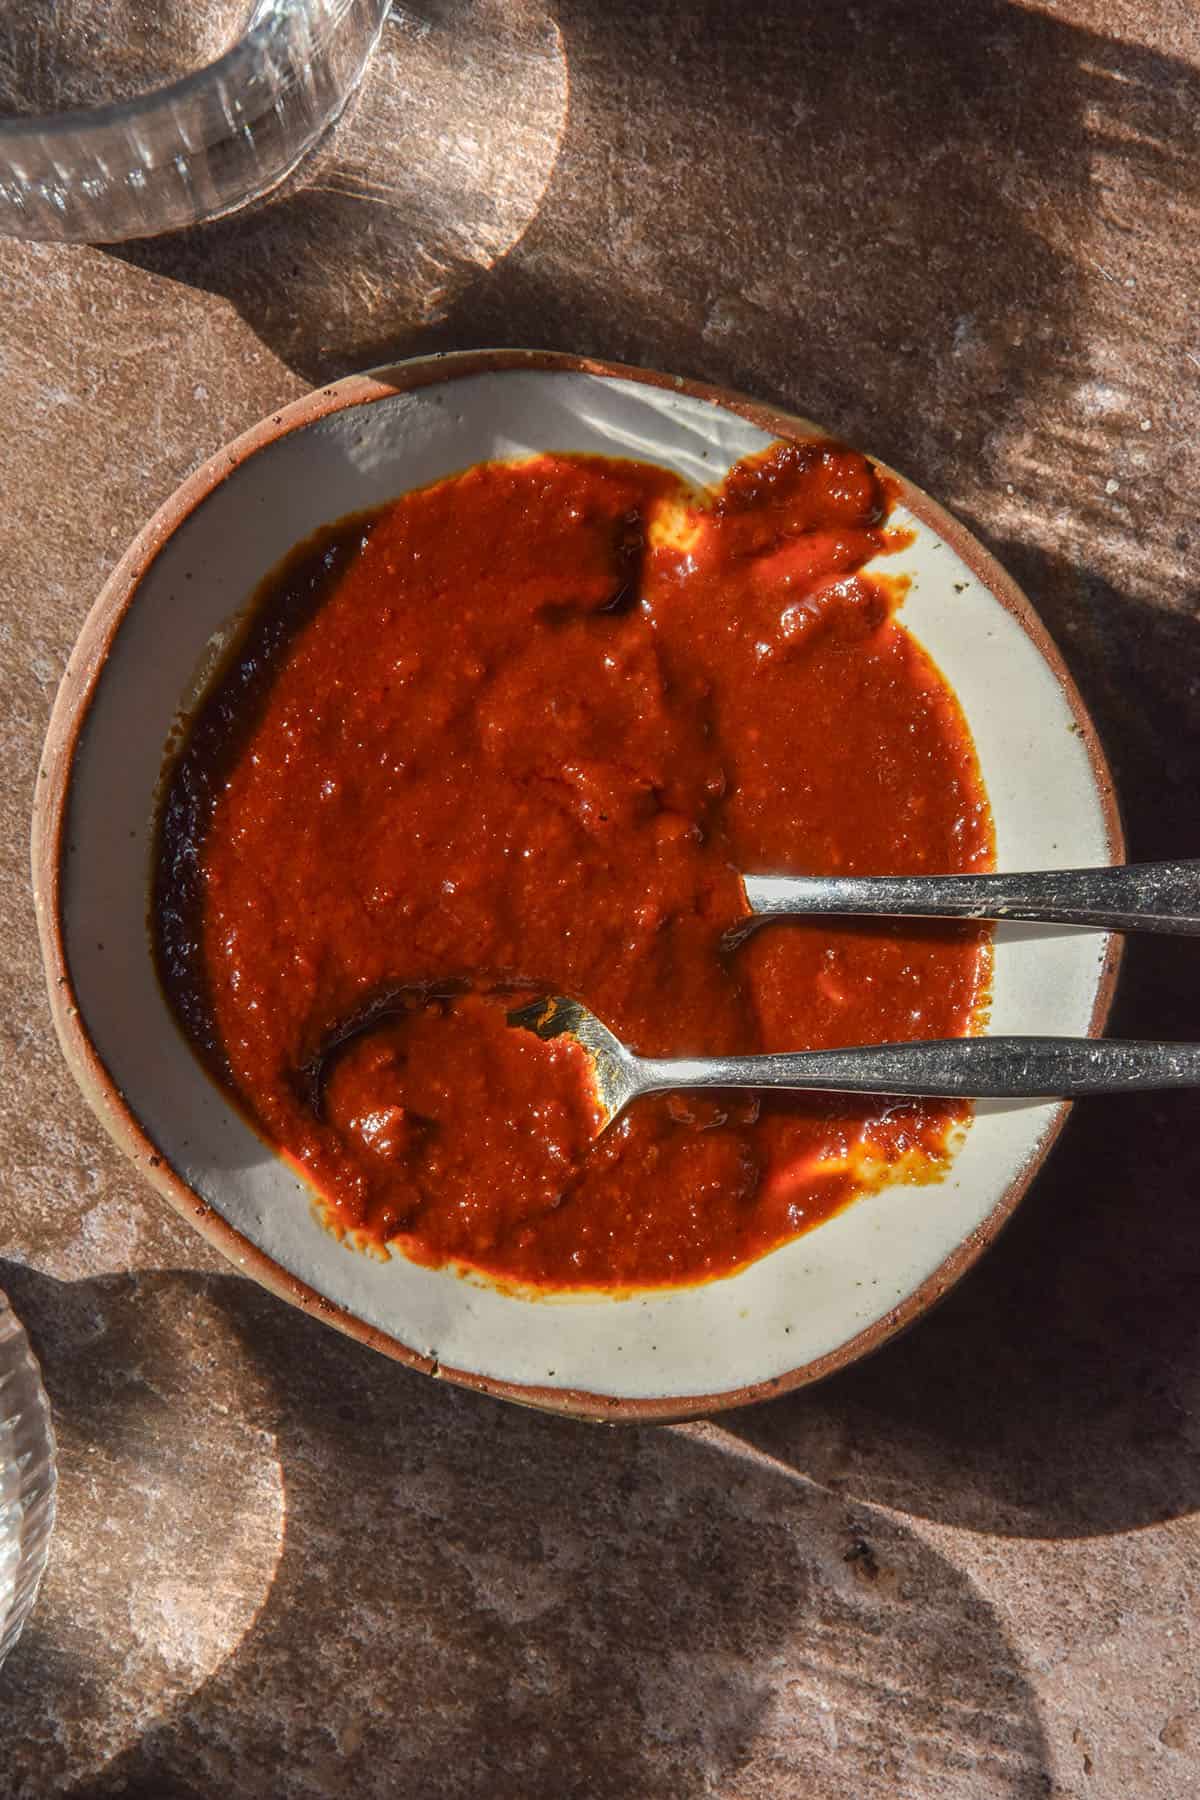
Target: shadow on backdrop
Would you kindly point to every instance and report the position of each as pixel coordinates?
(872, 227)
(472, 1600)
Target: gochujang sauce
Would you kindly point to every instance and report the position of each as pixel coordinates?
(524, 727)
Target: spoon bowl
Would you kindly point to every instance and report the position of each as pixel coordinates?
(616, 1073)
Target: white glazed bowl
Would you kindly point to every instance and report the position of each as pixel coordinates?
(809, 1307)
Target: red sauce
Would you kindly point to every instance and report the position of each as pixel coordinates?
(525, 726)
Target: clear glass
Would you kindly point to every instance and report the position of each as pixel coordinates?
(27, 1479)
(132, 163)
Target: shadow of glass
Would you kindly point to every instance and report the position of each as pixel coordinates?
(477, 1601)
(875, 223)
(432, 175)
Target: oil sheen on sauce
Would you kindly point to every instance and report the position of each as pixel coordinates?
(524, 726)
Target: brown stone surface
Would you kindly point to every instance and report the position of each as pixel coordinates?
(963, 233)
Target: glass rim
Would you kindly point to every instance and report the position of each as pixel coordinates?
(31, 1453)
(192, 91)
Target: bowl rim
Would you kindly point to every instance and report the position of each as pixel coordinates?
(68, 718)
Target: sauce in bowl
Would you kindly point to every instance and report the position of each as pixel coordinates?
(523, 727)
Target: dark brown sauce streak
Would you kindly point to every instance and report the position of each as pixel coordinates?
(212, 744)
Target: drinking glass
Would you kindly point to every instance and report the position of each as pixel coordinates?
(125, 118)
(27, 1478)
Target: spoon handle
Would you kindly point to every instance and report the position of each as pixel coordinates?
(1162, 896)
(974, 1067)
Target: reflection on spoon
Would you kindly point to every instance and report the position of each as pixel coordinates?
(1162, 896)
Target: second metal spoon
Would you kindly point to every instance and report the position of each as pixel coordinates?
(1162, 896)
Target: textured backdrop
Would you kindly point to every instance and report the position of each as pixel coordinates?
(963, 234)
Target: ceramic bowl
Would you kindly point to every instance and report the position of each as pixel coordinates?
(808, 1308)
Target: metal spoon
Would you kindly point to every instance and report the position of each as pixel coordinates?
(1163, 896)
(974, 1067)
